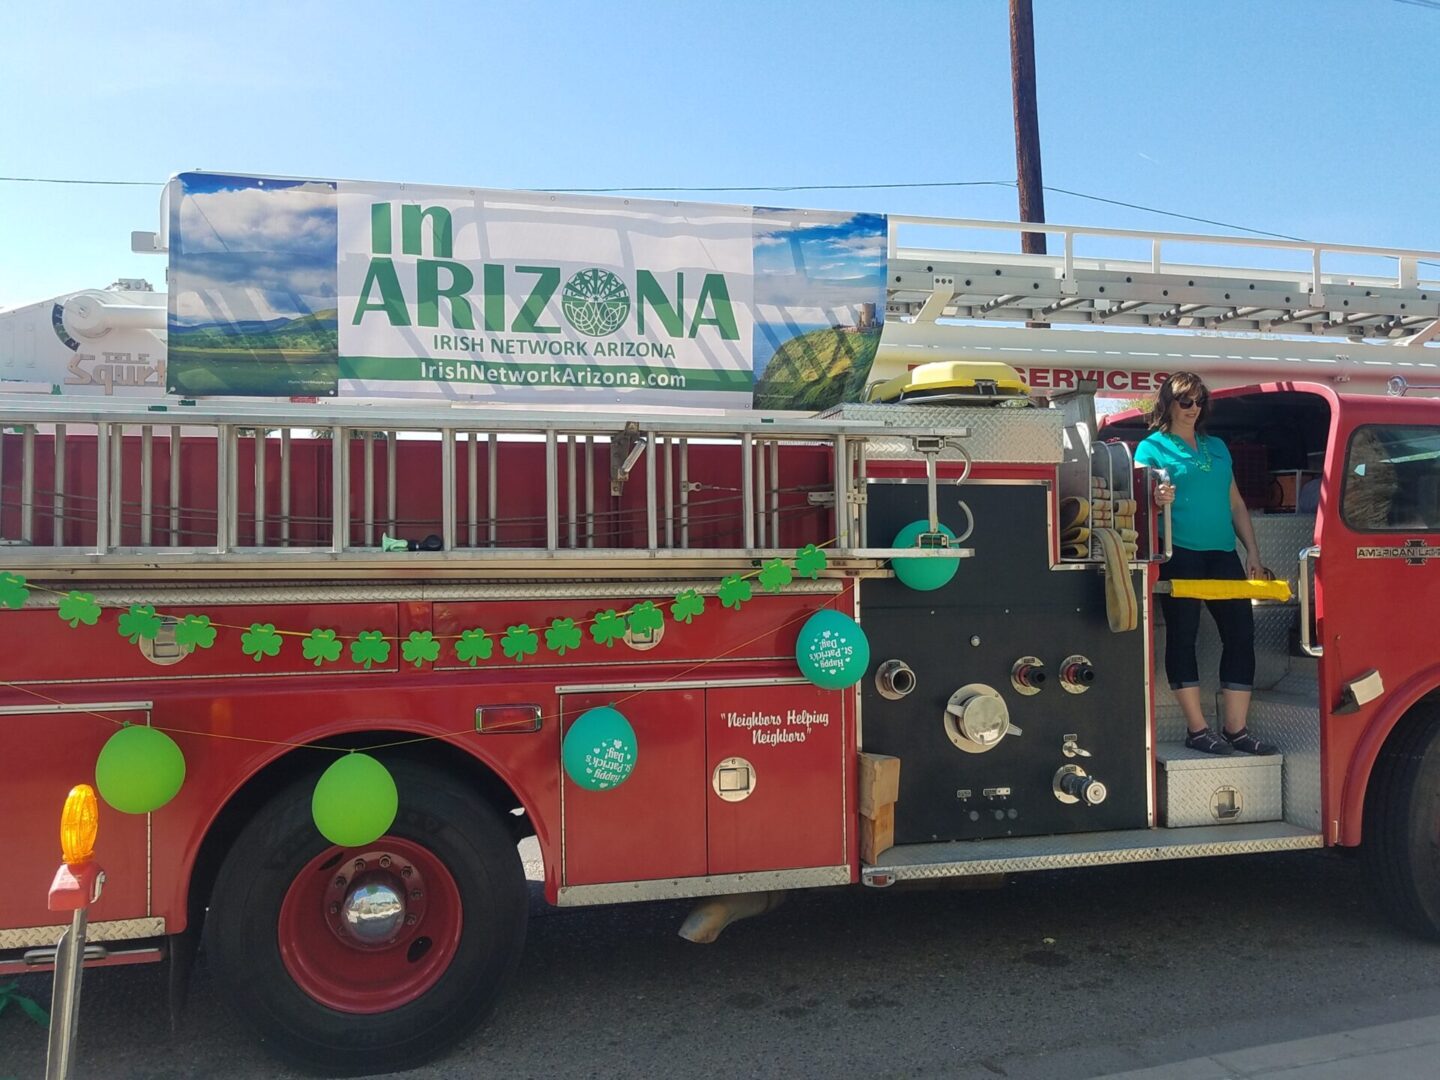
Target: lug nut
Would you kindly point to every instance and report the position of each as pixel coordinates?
(406, 871)
(334, 909)
(359, 865)
(416, 894)
(340, 882)
(411, 920)
(384, 862)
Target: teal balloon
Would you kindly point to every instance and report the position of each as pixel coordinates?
(599, 750)
(832, 651)
(139, 770)
(922, 573)
(355, 801)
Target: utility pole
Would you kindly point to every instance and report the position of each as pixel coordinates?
(1027, 124)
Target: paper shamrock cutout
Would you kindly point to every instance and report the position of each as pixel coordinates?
(809, 561)
(139, 622)
(775, 576)
(78, 607)
(419, 647)
(194, 632)
(687, 605)
(519, 642)
(608, 628)
(13, 592)
(321, 647)
(562, 636)
(369, 647)
(474, 645)
(734, 591)
(646, 618)
(260, 641)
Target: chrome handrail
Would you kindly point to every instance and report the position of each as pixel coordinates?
(1307, 645)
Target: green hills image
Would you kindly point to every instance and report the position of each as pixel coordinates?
(818, 369)
(271, 358)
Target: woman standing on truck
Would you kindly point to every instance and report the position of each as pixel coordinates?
(1207, 514)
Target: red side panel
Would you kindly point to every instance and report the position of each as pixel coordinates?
(793, 739)
(652, 825)
(31, 797)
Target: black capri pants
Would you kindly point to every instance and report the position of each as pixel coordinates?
(1233, 618)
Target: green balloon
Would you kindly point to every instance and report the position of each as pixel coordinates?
(355, 801)
(832, 651)
(599, 750)
(922, 573)
(139, 769)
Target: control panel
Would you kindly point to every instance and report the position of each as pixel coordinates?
(1013, 708)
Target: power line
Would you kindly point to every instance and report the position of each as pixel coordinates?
(65, 180)
(1182, 217)
(789, 187)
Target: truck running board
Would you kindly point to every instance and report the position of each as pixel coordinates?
(965, 858)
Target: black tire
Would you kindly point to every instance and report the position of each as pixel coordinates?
(1402, 825)
(447, 824)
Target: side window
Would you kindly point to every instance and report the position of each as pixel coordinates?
(1392, 479)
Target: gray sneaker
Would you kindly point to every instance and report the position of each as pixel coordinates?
(1207, 742)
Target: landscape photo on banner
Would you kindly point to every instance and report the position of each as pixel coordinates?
(306, 288)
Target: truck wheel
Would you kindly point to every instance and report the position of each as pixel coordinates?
(1402, 826)
(351, 961)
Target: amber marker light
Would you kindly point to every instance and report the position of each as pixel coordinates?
(79, 822)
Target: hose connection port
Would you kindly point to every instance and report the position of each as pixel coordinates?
(1076, 674)
(894, 679)
(1027, 675)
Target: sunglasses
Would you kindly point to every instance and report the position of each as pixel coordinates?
(1190, 403)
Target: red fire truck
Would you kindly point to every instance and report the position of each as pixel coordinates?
(1008, 719)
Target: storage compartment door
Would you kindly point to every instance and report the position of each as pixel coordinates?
(652, 825)
(46, 753)
(776, 777)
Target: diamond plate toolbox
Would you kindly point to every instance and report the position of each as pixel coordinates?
(1205, 789)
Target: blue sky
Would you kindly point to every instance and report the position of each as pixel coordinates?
(1317, 120)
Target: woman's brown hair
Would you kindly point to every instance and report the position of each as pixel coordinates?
(1184, 384)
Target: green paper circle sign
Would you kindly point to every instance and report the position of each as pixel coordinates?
(599, 751)
(925, 572)
(355, 801)
(139, 769)
(832, 651)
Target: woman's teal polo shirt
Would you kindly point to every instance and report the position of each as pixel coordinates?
(1200, 515)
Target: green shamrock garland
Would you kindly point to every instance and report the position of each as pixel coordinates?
(474, 646)
(13, 592)
(370, 647)
(775, 576)
(809, 561)
(260, 641)
(194, 632)
(519, 642)
(646, 618)
(321, 647)
(607, 628)
(139, 622)
(419, 647)
(734, 591)
(78, 607)
(562, 636)
(325, 646)
(687, 605)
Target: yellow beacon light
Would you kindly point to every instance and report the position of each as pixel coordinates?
(79, 822)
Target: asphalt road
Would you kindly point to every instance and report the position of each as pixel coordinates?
(1061, 974)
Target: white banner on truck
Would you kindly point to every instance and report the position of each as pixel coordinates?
(370, 290)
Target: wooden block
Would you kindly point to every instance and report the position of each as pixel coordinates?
(877, 834)
(879, 782)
